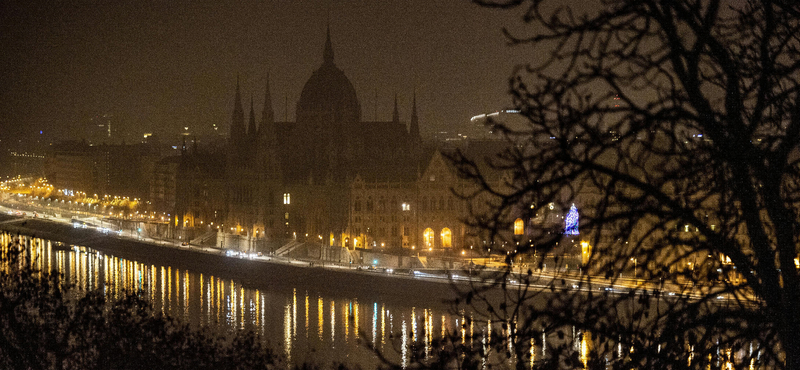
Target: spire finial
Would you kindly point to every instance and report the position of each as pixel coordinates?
(327, 54)
(238, 93)
(251, 127)
(237, 122)
(414, 129)
(396, 113)
(267, 116)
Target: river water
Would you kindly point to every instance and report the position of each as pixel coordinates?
(302, 324)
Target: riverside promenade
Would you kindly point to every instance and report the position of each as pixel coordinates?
(259, 272)
(442, 285)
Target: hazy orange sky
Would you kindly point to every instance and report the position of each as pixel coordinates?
(161, 66)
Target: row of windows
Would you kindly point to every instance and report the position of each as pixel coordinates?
(425, 204)
(381, 231)
(394, 218)
(429, 237)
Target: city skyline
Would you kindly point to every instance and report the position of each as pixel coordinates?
(160, 69)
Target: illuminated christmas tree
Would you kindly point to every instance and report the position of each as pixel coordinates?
(571, 222)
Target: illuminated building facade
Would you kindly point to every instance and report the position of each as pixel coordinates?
(291, 180)
(422, 214)
(330, 178)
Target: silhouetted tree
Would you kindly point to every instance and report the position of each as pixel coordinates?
(46, 323)
(673, 126)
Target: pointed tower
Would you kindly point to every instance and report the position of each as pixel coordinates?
(414, 129)
(267, 126)
(237, 121)
(327, 54)
(252, 134)
(251, 125)
(396, 113)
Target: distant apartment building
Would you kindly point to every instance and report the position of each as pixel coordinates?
(163, 184)
(123, 170)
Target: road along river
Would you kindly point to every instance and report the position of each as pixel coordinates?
(307, 314)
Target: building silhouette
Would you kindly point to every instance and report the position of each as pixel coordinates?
(292, 180)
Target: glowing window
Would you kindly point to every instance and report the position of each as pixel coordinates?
(287, 198)
(406, 207)
(519, 227)
(427, 237)
(447, 238)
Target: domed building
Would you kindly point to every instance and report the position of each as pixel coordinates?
(291, 180)
(328, 97)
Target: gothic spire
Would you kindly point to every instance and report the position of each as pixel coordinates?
(251, 127)
(396, 113)
(267, 115)
(267, 136)
(327, 54)
(414, 129)
(237, 122)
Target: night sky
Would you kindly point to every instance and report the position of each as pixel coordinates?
(161, 66)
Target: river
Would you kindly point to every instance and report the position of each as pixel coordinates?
(303, 323)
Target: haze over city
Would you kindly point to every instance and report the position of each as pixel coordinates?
(160, 67)
(527, 184)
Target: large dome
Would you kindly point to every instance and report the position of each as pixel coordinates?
(328, 93)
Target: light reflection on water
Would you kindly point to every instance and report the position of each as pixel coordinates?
(204, 299)
(349, 335)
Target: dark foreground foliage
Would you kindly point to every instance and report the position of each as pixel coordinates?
(46, 324)
(674, 127)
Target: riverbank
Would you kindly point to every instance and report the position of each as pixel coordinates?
(262, 273)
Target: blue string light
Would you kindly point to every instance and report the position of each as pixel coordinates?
(571, 222)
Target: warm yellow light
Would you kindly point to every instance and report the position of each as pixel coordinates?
(519, 227)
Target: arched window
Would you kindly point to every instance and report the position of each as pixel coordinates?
(381, 204)
(519, 227)
(357, 205)
(427, 237)
(447, 238)
(370, 206)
